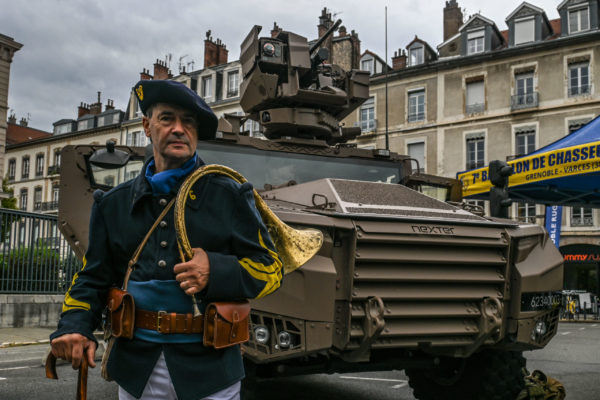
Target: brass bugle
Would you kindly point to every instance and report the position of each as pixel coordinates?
(294, 246)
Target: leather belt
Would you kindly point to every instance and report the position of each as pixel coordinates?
(164, 322)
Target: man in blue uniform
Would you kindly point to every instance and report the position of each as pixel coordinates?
(234, 258)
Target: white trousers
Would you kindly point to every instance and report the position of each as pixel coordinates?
(160, 387)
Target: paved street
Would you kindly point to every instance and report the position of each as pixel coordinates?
(572, 357)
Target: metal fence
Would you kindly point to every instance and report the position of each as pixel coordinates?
(34, 256)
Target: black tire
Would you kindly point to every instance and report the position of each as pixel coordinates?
(487, 375)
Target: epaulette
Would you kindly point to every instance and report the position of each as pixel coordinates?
(98, 195)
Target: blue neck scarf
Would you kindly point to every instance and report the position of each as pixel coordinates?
(162, 182)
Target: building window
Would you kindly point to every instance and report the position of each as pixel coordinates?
(207, 87)
(60, 129)
(55, 194)
(576, 124)
(135, 139)
(233, 84)
(579, 79)
(526, 212)
(416, 56)
(12, 167)
(579, 20)
(367, 65)
(524, 95)
(581, 216)
(23, 199)
(39, 165)
(25, 167)
(37, 198)
(85, 124)
(524, 141)
(367, 116)
(417, 151)
(524, 31)
(416, 105)
(475, 99)
(475, 152)
(475, 41)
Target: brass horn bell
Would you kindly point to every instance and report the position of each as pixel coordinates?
(295, 246)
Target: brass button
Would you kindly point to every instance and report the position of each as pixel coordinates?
(163, 224)
(162, 202)
(162, 263)
(163, 244)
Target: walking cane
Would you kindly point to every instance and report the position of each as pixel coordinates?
(81, 377)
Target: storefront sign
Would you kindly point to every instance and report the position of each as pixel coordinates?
(582, 257)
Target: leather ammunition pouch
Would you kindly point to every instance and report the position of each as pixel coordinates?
(121, 308)
(226, 323)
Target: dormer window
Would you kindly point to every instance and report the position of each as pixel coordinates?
(475, 41)
(416, 56)
(367, 65)
(579, 19)
(524, 30)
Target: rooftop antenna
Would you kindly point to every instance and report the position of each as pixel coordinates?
(180, 64)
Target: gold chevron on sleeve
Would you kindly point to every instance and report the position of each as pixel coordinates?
(73, 304)
(270, 274)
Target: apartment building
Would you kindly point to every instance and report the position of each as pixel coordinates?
(487, 94)
(8, 47)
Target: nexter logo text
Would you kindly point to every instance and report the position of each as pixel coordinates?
(443, 230)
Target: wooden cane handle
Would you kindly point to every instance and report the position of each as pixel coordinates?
(81, 376)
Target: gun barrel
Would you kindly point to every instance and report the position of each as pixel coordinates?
(325, 36)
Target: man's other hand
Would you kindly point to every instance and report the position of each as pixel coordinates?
(72, 347)
(193, 275)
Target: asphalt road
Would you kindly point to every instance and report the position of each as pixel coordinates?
(571, 357)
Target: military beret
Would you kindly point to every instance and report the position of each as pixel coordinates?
(150, 92)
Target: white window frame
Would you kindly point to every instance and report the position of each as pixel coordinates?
(579, 10)
(25, 165)
(523, 23)
(39, 164)
(206, 89)
(470, 136)
(472, 107)
(476, 41)
(369, 124)
(233, 79)
(419, 53)
(580, 88)
(530, 136)
(23, 199)
(370, 63)
(526, 209)
(586, 222)
(415, 141)
(12, 168)
(417, 115)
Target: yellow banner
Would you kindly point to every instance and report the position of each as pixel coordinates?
(574, 160)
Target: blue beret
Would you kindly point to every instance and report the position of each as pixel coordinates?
(150, 92)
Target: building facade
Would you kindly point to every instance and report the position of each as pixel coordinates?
(490, 94)
(8, 47)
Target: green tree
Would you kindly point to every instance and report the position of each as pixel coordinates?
(10, 203)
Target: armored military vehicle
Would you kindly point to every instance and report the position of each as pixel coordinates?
(403, 280)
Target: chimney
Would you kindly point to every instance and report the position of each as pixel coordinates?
(342, 31)
(96, 108)
(23, 122)
(453, 19)
(12, 119)
(215, 53)
(399, 60)
(325, 22)
(145, 75)
(275, 31)
(160, 70)
(82, 110)
(110, 105)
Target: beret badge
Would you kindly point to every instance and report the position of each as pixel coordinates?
(140, 93)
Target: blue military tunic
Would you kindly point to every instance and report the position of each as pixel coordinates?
(221, 218)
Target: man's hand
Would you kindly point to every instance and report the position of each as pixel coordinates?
(72, 347)
(193, 275)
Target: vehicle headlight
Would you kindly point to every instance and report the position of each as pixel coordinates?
(261, 334)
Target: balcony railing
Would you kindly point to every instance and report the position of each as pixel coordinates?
(233, 93)
(54, 170)
(526, 100)
(582, 221)
(37, 205)
(475, 108)
(49, 206)
(369, 125)
(579, 90)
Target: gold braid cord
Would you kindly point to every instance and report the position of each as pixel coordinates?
(295, 247)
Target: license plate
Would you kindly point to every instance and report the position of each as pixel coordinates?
(540, 301)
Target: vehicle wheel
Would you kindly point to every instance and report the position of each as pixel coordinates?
(487, 375)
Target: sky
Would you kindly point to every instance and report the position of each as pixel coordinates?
(72, 49)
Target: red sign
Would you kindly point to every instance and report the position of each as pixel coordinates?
(582, 257)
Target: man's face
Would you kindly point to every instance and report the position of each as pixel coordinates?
(173, 131)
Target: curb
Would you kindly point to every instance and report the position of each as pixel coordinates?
(5, 345)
